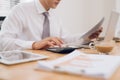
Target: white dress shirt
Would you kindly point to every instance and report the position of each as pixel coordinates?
(24, 25)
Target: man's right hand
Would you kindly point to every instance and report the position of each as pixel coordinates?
(47, 42)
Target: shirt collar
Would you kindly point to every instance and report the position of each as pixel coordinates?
(40, 8)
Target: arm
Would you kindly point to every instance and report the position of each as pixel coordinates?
(11, 28)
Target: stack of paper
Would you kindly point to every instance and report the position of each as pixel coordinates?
(79, 63)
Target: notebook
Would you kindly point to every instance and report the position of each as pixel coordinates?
(110, 33)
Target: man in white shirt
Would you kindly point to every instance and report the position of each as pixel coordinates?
(23, 27)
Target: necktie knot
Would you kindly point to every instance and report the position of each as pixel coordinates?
(46, 14)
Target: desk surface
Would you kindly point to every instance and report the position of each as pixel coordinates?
(27, 71)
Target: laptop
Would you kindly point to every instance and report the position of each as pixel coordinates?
(110, 32)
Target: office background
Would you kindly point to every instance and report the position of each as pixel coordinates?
(77, 16)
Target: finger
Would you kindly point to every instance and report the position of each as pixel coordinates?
(53, 41)
(60, 40)
(50, 44)
(100, 30)
(57, 41)
(95, 35)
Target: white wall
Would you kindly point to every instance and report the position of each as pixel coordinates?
(71, 14)
(118, 5)
(80, 15)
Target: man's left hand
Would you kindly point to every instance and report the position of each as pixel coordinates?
(96, 34)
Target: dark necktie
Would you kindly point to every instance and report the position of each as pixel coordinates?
(46, 26)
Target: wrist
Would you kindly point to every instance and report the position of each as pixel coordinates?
(34, 47)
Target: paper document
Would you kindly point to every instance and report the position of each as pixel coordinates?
(94, 29)
(100, 66)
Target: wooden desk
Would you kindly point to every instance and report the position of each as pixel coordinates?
(26, 71)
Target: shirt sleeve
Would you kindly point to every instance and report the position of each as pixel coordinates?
(11, 28)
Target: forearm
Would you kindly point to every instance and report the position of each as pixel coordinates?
(13, 44)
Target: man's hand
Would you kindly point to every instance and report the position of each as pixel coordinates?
(47, 42)
(96, 34)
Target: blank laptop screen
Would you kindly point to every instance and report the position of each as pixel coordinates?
(110, 32)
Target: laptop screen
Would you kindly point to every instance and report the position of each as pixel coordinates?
(110, 32)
